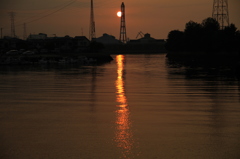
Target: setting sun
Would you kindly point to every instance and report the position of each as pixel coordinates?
(119, 13)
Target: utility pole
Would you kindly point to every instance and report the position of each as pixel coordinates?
(12, 16)
(123, 33)
(24, 31)
(92, 33)
(220, 12)
(1, 33)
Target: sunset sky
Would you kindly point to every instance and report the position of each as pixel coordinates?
(72, 17)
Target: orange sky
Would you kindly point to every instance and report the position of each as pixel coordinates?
(156, 17)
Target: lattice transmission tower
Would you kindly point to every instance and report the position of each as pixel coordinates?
(92, 33)
(220, 12)
(12, 17)
(123, 33)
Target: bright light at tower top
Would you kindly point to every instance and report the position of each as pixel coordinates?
(119, 13)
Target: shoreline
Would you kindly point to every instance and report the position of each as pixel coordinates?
(203, 54)
(51, 58)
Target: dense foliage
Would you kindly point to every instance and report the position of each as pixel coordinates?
(206, 37)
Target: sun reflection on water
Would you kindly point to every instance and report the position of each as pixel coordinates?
(123, 135)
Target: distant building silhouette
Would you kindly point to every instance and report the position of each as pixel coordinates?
(41, 43)
(147, 39)
(39, 36)
(81, 41)
(107, 39)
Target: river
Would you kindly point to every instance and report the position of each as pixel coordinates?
(137, 106)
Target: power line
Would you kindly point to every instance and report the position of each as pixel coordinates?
(68, 4)
(52, 12)
(32, 19)
(44, 12)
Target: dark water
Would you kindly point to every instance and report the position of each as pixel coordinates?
(137, 106)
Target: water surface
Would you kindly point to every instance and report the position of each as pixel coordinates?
(137, 106)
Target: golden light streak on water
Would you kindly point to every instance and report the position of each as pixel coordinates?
(123, 134)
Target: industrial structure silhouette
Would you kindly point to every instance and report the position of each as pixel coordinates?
(12, 17)
(220, 12)
(123, 33)
(92, 33)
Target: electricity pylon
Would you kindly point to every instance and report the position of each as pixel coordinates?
(92, 33)
(24, 31)
(220, 12)
(123, 33)
(12, 16)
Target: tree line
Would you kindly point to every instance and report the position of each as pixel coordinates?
(205, 37)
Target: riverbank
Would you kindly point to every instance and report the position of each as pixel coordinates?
(203, 55)
(203, 58)
(227, 62)
(51, 58)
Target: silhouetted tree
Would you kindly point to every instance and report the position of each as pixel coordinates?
(210, 34)
(193, 35)
(206, 37)
(210, 25)
(228, 39)
(175, 41)
(232, 29)
(238, 41)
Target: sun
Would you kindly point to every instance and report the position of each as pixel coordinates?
(119, 13)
